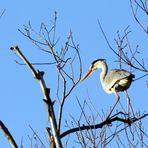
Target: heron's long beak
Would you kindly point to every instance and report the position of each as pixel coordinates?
(86, 75)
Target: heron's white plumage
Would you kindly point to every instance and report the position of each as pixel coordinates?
(115, 79)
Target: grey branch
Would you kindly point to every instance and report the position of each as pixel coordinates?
(46, 93)
(8, 135)
(100, 125)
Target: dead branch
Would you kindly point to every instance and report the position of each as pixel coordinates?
(103, 123)
(8, 135)
(46, 93)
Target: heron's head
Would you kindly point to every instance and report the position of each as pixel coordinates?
(94, 65)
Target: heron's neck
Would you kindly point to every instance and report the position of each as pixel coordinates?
(103, 73)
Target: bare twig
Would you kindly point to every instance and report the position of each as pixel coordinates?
(66, 92)
(122, 55)
(2, 13)
(36, 63)
(140, 7)
(36, 135)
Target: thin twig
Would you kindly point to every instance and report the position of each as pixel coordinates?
(2, 13)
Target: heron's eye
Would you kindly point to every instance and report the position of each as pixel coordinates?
(92, 66)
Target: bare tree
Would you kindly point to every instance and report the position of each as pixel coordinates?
(67, 80)
(91, 129)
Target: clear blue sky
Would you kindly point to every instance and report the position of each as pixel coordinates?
(21, 102)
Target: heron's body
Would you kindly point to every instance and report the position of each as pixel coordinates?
(113, 81)
(116, 80)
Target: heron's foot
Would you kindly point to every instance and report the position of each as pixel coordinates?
(129, 121)
(108, 121)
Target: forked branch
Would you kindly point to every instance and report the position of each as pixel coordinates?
(46, 93)
(64, 60)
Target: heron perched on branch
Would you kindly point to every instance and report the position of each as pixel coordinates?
(113, 81)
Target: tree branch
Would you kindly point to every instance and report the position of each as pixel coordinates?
(100, 125)
(8, 135)
(46, 93)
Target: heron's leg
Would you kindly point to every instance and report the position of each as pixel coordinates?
(129, 104)
(117, 100)
(122, 106)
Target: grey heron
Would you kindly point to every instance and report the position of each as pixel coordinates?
(113, 81)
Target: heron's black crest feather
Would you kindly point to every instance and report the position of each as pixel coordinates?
(97, 61)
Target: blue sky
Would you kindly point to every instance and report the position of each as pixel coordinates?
(21, 98)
